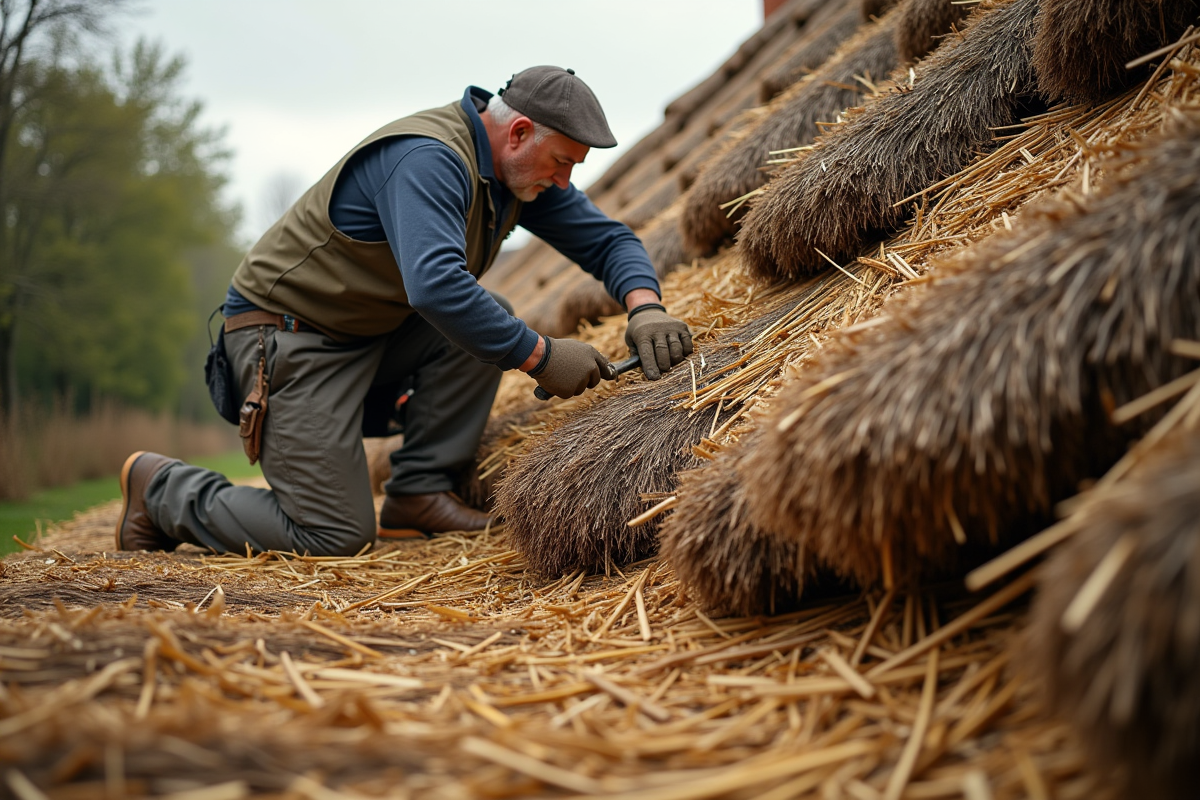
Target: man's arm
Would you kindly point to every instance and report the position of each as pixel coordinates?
(422, 206)
(567, 220)
(570, 223)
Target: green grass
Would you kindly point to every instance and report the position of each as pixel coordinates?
(56, 505)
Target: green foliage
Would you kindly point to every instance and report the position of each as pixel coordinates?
(45, 508)
(112, 231)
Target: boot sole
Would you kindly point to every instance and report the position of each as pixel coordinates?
(125, 470)
(401, 533)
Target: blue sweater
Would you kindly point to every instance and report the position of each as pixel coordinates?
(414, 193)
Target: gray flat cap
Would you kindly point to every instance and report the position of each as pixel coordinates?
(556, 97)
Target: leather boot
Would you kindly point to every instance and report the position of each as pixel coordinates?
(135, 531)
(411, 516)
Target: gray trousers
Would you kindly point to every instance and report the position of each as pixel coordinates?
(312, 456)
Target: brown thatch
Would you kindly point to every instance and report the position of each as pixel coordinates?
(1123, 666)
(566, 500)
(664, 242)
(1082, 46)
(833, 24)
(975, 407)
(875, 8)
(792, 120)
(922, 23)
(898, 145)
(724, 559)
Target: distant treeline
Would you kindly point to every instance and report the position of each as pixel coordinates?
(114, 241)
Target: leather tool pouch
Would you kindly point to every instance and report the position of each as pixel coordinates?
(218, 374)
(254, 410)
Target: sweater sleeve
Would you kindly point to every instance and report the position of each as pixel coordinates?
(423, 206)
(569, 222)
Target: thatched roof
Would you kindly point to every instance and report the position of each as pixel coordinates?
(658, 169)
(1121, 658)
(451, 668)
(850, 186)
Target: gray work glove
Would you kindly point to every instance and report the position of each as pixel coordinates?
(568, 367)
(660, 340)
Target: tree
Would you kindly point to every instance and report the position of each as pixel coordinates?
(114, 191)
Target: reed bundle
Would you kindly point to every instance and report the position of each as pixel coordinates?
(792, 120)
(1060, 148)
(1113, 628)
(922, 23)
(436, 669)
(1083, 46)
(721, 556)
(901, 143)
(833, 24)
(972, 409)
(568, 498)
(875, 8)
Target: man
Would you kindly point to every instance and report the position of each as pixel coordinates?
(369, 283)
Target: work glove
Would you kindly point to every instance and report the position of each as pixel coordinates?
(568, 367)
(660, 340)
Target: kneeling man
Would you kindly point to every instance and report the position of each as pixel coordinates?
(369, 283)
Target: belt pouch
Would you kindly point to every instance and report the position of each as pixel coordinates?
(254, 410)
(218, 374)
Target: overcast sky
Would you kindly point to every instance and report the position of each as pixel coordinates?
(299, 82)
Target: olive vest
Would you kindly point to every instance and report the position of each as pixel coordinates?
(305, 267)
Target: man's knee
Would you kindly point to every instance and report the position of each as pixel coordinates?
(344, 540)
(503, 301)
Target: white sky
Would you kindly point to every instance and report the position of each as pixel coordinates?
(298, 82)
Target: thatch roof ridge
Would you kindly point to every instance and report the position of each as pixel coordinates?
(1083, 46)
(650, 175)
(929, 125)
(791, 119)
(923, 23)
(975, 406)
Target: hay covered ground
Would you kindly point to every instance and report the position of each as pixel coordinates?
(440, 669)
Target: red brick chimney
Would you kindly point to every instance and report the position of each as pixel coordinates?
(771, 6)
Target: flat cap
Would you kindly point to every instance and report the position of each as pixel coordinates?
(557, 98)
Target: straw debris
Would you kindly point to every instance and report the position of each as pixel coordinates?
(437, 669)
(901, 143)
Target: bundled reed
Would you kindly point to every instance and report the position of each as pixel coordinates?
(724, 560)
(875, 8)
(1082, 46)
(1114, 627)
(898, 145)
(567, 500)
(833, 24)
(792, 120)
(923, 22)
(971, 409)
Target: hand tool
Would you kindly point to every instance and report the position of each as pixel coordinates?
(619, 367)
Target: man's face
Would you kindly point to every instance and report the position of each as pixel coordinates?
(530, 168)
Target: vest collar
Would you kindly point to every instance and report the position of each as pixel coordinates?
(476, 100)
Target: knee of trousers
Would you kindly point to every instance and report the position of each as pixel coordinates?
(345, 540)
(503, 301)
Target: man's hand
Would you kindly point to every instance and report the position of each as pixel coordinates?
(567, 367)
(658, 338)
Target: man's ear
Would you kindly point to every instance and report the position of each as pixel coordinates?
(520, 130)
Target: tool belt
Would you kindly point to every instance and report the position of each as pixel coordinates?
(218, 374)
